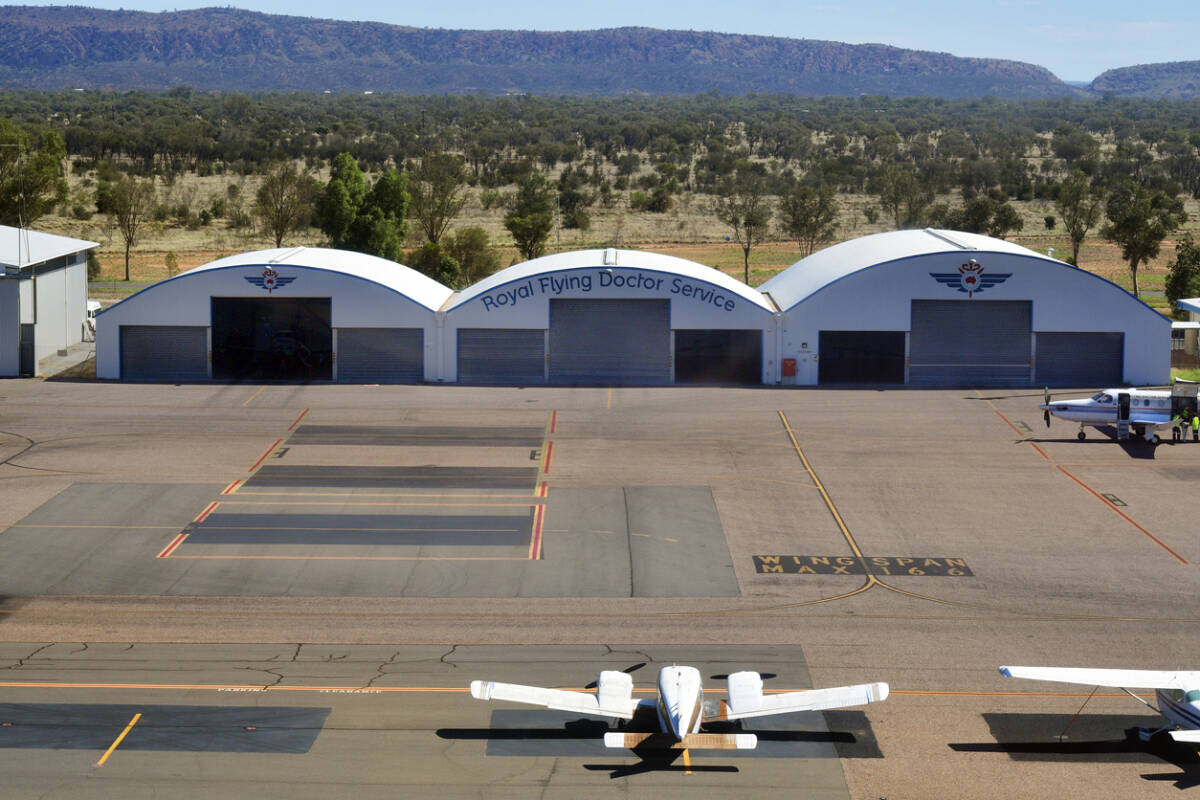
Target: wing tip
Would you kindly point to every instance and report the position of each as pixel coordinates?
(480, 690)
(1006, 672)
(880, 692)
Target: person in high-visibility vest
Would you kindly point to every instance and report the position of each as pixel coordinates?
(1196, 427)
(1177, 424)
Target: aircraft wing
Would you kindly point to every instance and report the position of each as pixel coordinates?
(746, 698)
(613, 696)
(1156, 421)
(1187, 737)
(1119, 678)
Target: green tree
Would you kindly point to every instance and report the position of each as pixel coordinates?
(367, 220)
(1079, 205)
(1183, 274)
(437, 187)
(430, 259)
(809, 215)
(31, 175)
(284, 201)
(130, 202)
(532, 216)
(1138, 220)
(741, 203)
(469, 246)
(902, 195)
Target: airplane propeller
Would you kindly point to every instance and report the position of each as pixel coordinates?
(766, 676)
(628, 671)
(1046, 402)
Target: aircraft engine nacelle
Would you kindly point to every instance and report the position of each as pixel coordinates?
(614, 689)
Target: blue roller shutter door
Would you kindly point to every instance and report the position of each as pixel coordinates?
(971, 343)
(623, 342)
(380, 355)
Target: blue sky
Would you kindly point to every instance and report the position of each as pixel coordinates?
(1074, 39)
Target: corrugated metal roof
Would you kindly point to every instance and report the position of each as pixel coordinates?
(1189, 304)
(20, 247)
(617, 259)
(809, 275)
(407, 281)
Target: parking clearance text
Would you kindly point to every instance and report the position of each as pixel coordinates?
(550, 285)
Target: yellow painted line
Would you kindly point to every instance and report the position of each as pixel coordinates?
(383, 530)
(532, 501)
(233, 487)
(687, 762)
(608, 404)
(354, 495)
(102, 527)
(350, 558)
(820, 487)
(256, 394)
(119, 739)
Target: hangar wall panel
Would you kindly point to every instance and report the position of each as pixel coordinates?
(10, 330)
(1079, 359)
(963, 342)
(380, 355)
(164, 353)
(610, 341)
(501, 356)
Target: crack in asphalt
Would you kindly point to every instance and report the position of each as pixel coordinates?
(21, 662)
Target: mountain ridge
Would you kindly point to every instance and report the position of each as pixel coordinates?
(226, 49)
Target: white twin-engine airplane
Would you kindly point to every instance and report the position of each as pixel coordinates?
(1147, 410)
(1178, 693)
(680, 704)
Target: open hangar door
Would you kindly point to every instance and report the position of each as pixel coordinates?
(971, 342)
(861, 357)
(1079, 359)
(718, 356)
(624, 342)
(272, 338)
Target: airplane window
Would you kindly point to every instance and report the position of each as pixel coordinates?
(1146, 402)
(1106, 398)
(1098, 398)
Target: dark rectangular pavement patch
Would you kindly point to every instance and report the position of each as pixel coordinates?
(431, 477)
(363, 529)
(677, 545)
(411, 436)
(212, 729)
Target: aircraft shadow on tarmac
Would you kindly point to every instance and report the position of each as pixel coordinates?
(538, 732)
(1134, 447)
(1090, 738)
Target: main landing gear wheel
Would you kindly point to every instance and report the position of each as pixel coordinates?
(1081, 436)
(1155, 439)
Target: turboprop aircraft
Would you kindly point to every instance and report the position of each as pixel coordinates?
(1147, 411)
(680, 705)
(1178, 693)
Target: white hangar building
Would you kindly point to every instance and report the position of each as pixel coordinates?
(944, 308)
(284, 314)
(610, 316)
(43, 297)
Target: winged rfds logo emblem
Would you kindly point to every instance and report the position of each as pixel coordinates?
(270, 280)
(970, 278)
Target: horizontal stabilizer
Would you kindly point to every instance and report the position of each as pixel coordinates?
(1187, 737)
(1118, 678)
(692, 741)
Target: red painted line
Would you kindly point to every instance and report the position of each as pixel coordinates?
(1123, 515)
(204, 514)
(553, 420)
(1008, 422)
(1040, 450)
(263, 457)
(542, 489)
(303, 414)
(535, 541)
(233, 487)
(546, 460)
(178, 540)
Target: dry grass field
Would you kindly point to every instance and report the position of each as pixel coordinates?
(689, 230)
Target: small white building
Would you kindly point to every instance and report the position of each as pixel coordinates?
(296, 313)
(623, 317)
(945, 308)
(43, 297)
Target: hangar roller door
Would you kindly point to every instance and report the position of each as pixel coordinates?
(707, 356)
(861, 357)
(625, 342)
(1079, 359)
(164, 353)
(971, 343)
(381, 355)
(501, 355)
(272, 338)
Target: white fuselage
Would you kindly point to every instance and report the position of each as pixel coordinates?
(680, 701)
(1180, 706)
(1101, 408)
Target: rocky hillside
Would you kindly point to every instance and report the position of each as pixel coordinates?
(57, 47)
(1177, 80)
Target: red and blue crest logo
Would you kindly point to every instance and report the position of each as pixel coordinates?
(970, 278)
(270, 280)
